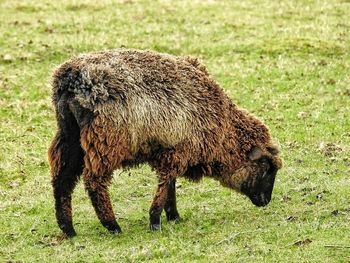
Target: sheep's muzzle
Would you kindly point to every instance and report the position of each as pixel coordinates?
(260, 192)
(260, 199)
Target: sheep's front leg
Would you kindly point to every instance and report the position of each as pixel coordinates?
(170, 205)
(169, 165)
(97, 187)
(159, 203)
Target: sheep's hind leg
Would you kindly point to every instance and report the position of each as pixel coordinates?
(170, 205)
(97, 187)
(66, 161)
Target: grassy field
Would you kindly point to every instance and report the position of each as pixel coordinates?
(288, 62)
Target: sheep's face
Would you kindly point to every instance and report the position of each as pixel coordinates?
(259, 175)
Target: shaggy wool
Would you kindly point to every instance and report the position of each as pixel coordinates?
(119, 108)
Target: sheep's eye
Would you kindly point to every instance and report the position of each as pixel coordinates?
(264, 163)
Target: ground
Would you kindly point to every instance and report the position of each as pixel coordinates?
(288, 62)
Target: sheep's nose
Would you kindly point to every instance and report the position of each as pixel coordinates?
(263, 199)
(260, 199)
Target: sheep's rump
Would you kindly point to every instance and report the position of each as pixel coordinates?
(155, 97)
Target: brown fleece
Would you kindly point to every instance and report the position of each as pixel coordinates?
(130, 107)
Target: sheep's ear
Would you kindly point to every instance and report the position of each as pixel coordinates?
(273, 149)
(255, 153)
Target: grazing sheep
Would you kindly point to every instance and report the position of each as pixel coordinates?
(123, 107)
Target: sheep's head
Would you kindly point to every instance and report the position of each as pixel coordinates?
(260, 175)
(256, 176)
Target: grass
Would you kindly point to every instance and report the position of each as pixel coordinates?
(286, 61)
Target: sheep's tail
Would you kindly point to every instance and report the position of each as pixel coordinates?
(68, 111)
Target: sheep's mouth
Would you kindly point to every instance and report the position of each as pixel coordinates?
(260, 199)
(257, 198)
(259, 195)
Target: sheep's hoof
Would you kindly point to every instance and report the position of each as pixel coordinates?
(155, 227)
(115, 231)
(174, 217)
(112, 227)
(67, 228)
(70, 233)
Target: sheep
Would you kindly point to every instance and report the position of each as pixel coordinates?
(120, 108)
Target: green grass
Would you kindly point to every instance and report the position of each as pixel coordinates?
(286, 61)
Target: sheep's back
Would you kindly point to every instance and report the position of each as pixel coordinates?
(158, 97)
